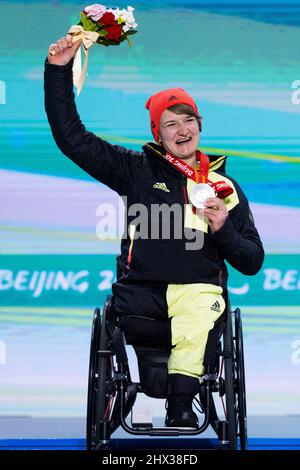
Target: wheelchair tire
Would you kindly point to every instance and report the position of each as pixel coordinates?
(241, 383)
(235, 390)
(230, 396)
(91, 396)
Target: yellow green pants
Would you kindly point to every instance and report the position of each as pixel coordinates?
(193, 308)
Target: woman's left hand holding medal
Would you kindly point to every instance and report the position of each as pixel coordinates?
(216, 212)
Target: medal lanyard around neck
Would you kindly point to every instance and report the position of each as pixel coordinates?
(198, 175)
(221, 188)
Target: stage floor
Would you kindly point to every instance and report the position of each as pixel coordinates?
(24, 432)
(140, 444)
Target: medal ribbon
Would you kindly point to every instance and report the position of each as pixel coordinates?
(190, 172)
(200, 175)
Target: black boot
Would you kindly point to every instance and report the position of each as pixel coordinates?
(181, 391)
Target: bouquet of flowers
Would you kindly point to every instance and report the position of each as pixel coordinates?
(112, 24)
(101, 25)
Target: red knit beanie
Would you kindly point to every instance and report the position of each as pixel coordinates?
(162, 100)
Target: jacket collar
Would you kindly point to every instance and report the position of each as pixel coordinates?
(151, 149)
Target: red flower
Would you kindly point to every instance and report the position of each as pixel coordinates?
(108, 19)
(113, 32)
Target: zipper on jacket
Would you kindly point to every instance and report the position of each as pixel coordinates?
(186, 199)
(185, 196)
(131, 235)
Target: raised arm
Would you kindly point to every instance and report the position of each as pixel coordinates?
(114, 166)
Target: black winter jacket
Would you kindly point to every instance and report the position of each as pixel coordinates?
(145, 177)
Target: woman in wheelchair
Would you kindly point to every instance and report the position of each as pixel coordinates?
(185, 217)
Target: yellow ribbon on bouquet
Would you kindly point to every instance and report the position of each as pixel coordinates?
(88, 38)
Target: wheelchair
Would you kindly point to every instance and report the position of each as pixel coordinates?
(112, 392)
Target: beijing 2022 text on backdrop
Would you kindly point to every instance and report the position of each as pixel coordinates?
(241, 63)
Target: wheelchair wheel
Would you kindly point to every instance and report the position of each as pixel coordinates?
(230, 398)
(241, 384)
(101, 388)
(235, 395)
(91, 397)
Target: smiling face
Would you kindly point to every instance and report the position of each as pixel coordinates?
(179, 134)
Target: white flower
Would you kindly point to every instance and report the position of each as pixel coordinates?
(128, 17)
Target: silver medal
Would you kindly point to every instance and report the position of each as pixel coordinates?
(200, 193)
